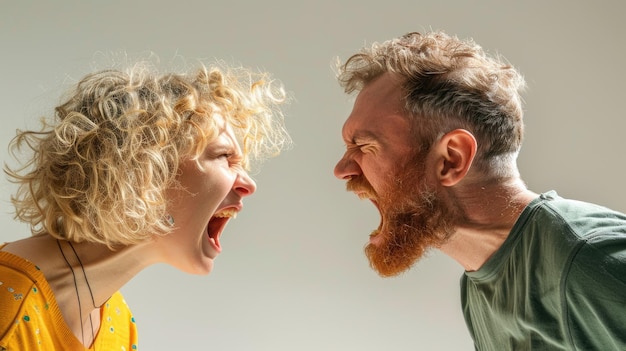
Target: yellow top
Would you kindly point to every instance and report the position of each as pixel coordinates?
(30, 318)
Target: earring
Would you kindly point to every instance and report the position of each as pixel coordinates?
(169, 219)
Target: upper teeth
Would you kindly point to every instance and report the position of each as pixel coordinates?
(226, 213)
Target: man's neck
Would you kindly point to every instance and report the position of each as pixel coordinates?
(489, 214)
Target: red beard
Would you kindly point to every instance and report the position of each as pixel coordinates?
(413, 220)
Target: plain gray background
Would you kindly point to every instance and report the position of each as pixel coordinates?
(292, 275)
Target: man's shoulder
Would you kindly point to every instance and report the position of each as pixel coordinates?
(584, 220)
(596, 236)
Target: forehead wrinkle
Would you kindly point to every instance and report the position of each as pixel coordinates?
(352, 136)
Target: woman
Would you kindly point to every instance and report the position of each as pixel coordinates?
(136, 169)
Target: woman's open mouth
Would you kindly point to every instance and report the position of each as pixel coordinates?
(216, 225)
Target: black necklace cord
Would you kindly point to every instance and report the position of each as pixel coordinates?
(80, 310)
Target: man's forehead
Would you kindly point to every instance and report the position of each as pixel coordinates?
(386, 87)
(359, 133)
(383, 96)
(375, 126)
(378, 108)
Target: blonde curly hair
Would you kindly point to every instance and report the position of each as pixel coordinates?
(449, 83)
(100, 169)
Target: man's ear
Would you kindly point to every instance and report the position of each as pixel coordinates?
(455, 152)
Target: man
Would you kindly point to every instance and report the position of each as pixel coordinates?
(432, 141)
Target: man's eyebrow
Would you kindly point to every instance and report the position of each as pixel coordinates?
(363, 136)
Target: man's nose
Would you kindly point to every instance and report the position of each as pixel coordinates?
(347, 168)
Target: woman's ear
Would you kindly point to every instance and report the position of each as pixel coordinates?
(455, 152)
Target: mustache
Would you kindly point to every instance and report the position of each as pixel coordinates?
(360, 185)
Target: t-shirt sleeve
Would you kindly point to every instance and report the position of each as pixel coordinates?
(595, 294)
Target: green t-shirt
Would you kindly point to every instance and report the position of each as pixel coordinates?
(557, 283)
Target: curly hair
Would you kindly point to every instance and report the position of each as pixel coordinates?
(100, 169)
(449, 83)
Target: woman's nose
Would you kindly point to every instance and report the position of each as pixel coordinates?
(244, 185)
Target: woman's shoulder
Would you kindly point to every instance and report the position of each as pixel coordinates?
(16, 272)
(18, 285)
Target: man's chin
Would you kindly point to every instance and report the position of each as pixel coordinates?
(383, 263)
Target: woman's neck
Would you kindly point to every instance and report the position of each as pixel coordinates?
(83, 276)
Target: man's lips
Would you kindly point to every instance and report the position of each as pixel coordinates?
(362, 195)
